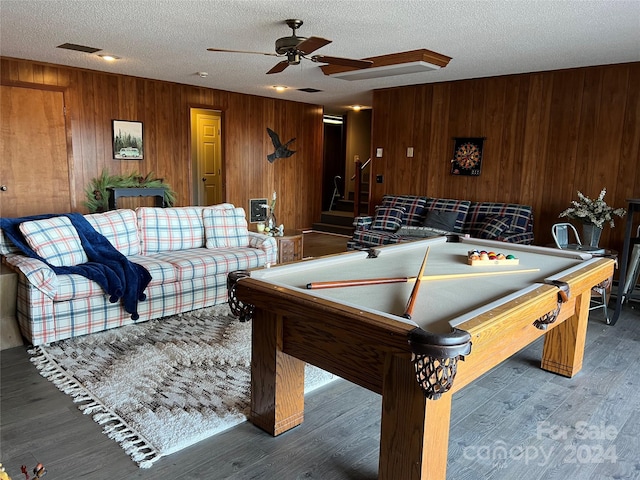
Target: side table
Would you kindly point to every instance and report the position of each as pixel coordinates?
(289, 247)
(116, 193)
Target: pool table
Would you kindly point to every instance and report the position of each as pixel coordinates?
(461, 327)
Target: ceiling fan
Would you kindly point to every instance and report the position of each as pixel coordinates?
(295, 48)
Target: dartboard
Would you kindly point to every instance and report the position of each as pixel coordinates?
(467, 156)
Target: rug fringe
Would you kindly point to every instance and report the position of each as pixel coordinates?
(113, 426)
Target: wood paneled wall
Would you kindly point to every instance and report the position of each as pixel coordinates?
(547, 135)
(93, 99)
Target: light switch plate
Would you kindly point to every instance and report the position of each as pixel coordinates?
(378, 152)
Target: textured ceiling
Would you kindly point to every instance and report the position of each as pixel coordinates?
(168, 40)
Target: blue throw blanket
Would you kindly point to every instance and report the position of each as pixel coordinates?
(118, 277)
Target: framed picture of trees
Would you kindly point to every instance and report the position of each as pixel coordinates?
(127, 140)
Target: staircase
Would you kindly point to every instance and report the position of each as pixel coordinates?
(340, 218)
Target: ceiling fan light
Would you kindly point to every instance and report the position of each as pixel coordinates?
(293, 58)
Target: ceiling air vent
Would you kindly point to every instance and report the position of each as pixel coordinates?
(78, 48)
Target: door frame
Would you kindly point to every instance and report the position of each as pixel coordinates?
(67, 112)
(193, 164)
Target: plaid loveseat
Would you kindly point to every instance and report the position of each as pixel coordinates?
(401, 218)
(188, 252)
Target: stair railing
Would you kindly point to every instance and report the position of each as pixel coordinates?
(336, 191)
(358, 186)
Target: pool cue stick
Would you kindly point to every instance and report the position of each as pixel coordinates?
(451, 276)
(416, 286)
(378, 281)
(358, 282)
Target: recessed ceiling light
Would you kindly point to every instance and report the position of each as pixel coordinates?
(109, 58)
(279, 88)
(203, 74)
(356, 108)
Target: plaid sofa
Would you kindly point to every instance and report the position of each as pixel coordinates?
(402, 218)
(187, 250)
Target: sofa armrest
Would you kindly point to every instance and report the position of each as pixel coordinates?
(363, 222)
(266, 243)
(38, 273)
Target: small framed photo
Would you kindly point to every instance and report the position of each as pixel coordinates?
(127, 140)
(257, 212)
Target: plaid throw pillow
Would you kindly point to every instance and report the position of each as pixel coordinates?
(56, 240)
(120, 227)
(388, 219)
(225, 227)
(169, 229)
(414, 206)
(494, 226)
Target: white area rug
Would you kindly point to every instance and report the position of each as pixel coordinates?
(160, 386)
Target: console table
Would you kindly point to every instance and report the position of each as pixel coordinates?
(634, 206)
(116, 193)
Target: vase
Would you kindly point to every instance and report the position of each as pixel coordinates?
(271, 221)
(591, 234)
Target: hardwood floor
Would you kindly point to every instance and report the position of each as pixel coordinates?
(515, 422)
(317, 244)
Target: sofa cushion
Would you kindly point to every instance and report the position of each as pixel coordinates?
(420, 232)
(494, 227)
(413, 205)
(203, 262)
(169, 229)
(120, 227)
(461, 207)
(375, 237)
(160, 271)
(440, 220)
(225, 227)
(388, 219)
(56, 240)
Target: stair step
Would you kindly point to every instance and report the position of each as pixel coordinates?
(336, 217)
(331, 228)
(344, 205)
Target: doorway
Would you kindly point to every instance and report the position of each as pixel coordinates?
(206, 156)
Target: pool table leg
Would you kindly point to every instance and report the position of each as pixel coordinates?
(277, 379)
(563, 349)
(414, 436)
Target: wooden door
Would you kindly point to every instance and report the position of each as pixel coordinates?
(34, 168)
(209, 158)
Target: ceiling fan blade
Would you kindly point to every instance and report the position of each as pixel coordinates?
(241, 51)
(312, 44)
(280, 66)
(346, 62)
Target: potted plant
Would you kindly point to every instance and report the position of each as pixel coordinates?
(593, 214)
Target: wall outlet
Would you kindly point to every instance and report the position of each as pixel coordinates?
(379, 178)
